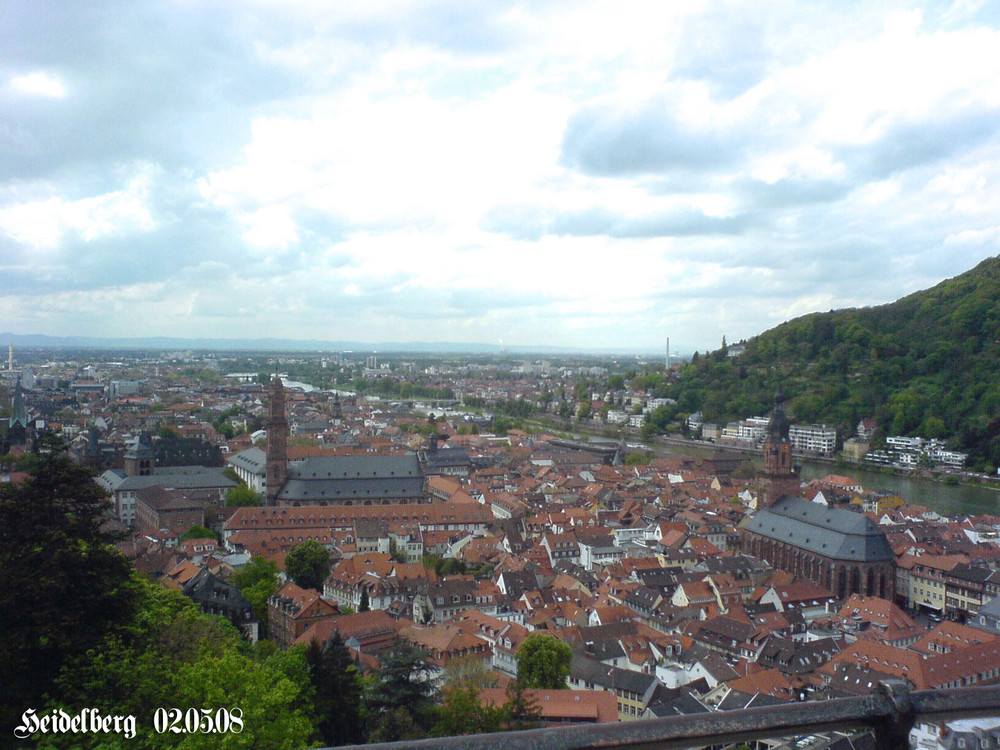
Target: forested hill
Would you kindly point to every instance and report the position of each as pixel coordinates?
(927, 364)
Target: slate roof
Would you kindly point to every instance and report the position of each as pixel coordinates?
(209, 478)
(589, 670)
(354, 478)
(680, 705)
(253, 460)
(443, 458)
(831, 532)
(737, 701)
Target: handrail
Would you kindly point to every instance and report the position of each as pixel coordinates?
(890, 712)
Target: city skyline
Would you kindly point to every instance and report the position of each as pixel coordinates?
(575, 176)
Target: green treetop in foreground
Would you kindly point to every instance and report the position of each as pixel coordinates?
(82, 629)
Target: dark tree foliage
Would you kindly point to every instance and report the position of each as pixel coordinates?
(308, 564)
(337, 692)
(520, 711)
(62, 583)
(403, 682)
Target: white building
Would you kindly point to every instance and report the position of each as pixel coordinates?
(813, 438)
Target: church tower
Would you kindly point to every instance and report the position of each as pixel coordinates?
(140, 459)
(780, 477)
(277, 443)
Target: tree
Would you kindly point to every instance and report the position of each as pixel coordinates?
(637, 458)
(365, 604)
(395, 553)
(520, 710)
(308, 564)
(469, 671)
(197, 532)
(462, 712)
(543, 661)
(168, 432)
(63, 586)
(337, 692)
(403, 683)
(241, 496)
(170, 653)
(257, 581)
(395, 725)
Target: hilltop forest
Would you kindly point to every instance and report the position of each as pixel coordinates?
(924, 365)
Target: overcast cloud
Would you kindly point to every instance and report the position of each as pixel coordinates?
(548, 173)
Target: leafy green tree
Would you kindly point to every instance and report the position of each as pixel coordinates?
(168, 432)
(395, 553)
(543, 661)
(241, 496)
(365, 604)
(257, 581)
(63, 586)
(170, 654)
(308, 564)
(337, 692)
(636, 458)
(197, 532)
(462, 712)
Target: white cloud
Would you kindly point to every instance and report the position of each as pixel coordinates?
(39, 83)
(424, 170)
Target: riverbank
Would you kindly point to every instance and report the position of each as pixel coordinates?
(948, 497)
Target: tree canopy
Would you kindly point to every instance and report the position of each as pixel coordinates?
(197, 532)
(82, 629)
(337, 685)
(170, 654)
(63, 586)
(257, 581)
(543, 661)
(308, 564)
(400, 699)
(241, 496)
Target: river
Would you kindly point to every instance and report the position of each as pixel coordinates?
(947, 499)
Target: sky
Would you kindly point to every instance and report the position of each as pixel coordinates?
(578, 174)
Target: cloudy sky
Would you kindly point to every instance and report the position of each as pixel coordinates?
(546, 173)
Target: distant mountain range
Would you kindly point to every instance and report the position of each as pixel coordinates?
(282, 345)
(927, 364)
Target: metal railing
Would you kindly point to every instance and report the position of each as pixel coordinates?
(890, 712)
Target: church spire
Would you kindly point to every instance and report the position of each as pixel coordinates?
(277, 442)
(780, 477)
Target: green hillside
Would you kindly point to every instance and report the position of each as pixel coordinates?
(925, 365)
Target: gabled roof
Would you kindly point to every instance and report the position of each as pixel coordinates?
(830, 532)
